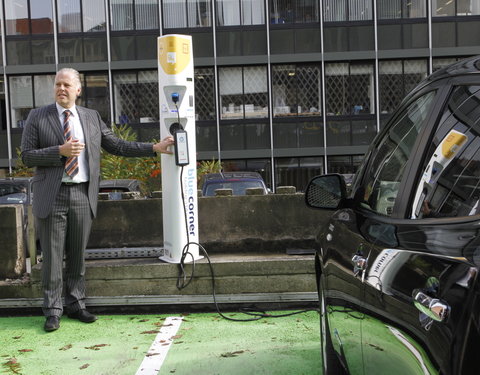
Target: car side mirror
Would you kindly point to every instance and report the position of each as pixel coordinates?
(326, 192)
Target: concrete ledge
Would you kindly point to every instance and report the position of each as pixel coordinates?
(234, 275)
(140, 300)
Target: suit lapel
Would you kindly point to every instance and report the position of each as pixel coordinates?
(86, 129)
(55, 123)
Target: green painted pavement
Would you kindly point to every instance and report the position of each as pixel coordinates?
(205, 344)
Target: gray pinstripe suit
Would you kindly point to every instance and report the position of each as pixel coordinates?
(64, 213)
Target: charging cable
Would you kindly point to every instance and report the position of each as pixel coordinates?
(183, 280)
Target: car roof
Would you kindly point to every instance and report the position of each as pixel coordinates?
(121, 182)
(232, 175)
(466, 66)
(13, 179)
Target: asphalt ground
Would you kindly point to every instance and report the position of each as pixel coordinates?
(196, 343)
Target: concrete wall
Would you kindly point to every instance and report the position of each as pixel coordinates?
(12, 250)
(273, 222)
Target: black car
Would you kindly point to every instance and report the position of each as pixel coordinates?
(397, 264)
(18, 190)
(239, 182)
(115, 188)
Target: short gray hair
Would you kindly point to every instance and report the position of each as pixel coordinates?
(75, 74)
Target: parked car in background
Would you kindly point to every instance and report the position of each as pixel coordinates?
(397, 264)
(115, 188)
(18, 190)
(237, 181)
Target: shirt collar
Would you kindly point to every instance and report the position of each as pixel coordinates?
(60, 110)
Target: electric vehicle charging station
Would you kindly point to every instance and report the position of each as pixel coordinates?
(179, 171)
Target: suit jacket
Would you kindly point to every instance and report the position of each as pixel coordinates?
(41, 139)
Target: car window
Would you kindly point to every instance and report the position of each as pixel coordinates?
(383, 175)
(450, 182)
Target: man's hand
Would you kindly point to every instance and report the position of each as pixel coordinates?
(71, 148)
(162, 146)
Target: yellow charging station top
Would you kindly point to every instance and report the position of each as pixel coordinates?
(174, 53)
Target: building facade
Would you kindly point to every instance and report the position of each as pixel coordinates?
(289, 88)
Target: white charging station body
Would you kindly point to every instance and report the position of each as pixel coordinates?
(176, 76)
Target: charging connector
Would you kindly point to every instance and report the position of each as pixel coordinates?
(175, 97)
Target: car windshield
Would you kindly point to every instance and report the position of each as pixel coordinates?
(11, 193)
(238, 187)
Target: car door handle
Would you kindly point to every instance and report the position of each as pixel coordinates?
(434, 308)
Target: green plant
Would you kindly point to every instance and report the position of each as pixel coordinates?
(145, 169)
(207, 166)
(21, 170)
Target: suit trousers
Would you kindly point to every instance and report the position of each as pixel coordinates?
(64, 234)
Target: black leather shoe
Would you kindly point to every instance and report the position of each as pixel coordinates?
(82, 315)
(52, 323)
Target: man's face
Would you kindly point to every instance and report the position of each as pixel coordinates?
(66, 89)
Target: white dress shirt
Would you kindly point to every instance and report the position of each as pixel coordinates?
(77, 133)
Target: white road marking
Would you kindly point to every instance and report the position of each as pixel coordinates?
(157, 353)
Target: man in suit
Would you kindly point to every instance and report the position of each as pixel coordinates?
(63, 142)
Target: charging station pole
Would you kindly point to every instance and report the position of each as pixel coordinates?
(179, 171)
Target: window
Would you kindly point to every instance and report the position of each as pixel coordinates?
(21, 99)
(204, 94)
(395, 9)
(134, 15)
(43, 89)
(391, 154)
(347, 10)
(261, 166)
(93, 12)
(243, 92)
(69, 16)
(442, 63)
(186, 13)
(449, 8)
(80, 15)
(95, 94)
(240, 12)
(297, 171)
(450, 182)
(350, 89)
(18, 21)
(24, 19)
(350, 132)
(344, 164)
(16, 18)
(396, 79)
(136, 97)
(296, 90)
(293, 11)
(298, 134)
(28, 92)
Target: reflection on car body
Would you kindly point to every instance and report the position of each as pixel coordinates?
(398, 287)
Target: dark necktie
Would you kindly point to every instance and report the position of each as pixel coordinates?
(71, 166)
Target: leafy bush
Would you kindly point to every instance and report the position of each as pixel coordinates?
(145, 169)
